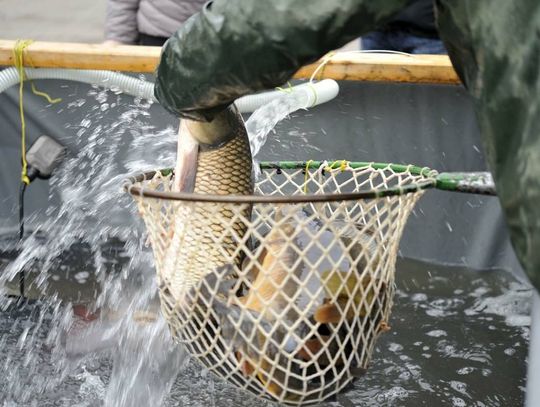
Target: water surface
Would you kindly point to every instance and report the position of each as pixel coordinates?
(459, 338)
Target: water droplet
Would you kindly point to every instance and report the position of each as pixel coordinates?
(465, 370)
(458, 402)
(509, 351)
(436, 333)
(419, 297)
(395, 347)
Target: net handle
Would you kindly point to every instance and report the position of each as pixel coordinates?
(469, 182)
(466, 182)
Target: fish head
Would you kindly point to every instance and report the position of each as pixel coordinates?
(214, 133)
(195, 137)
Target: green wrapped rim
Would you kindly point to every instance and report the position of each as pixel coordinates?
(429, 180)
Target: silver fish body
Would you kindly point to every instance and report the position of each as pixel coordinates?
(215, 159)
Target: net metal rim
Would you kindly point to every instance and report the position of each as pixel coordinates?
(429, 181)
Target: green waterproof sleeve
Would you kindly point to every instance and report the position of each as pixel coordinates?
(495, 47)
(236, 47)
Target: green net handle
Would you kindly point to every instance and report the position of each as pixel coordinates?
(468, 182)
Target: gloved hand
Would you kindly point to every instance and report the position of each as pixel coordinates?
(236, 47)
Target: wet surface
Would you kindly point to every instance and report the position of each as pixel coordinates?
(459, 338)
(71, 275)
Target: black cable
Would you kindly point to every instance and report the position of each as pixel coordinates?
(22, 189)
(21, 210)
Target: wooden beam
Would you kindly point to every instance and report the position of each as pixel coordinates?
(127, 58)
(385, 68)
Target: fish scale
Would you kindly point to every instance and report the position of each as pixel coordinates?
(201, 243)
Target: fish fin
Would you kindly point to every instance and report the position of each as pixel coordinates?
(261, 286)
(310, 349)
(186, 163)
(246, 367)
(328, 313)
(384, 327)
(270, 385)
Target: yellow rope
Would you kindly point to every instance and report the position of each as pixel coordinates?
(343, 165)
(18, 50)
(321, 66)
(44, 95)
(18, 57)
(306, 176)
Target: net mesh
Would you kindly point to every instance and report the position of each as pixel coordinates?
(285, 300)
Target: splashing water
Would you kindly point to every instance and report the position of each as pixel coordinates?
(110, 307)
(77, 319)
(265, 119)
(100, 340)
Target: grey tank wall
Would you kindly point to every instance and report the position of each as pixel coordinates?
(427, 125)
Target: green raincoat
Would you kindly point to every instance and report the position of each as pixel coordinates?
(236, 47)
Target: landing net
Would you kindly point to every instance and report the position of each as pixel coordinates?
(285, 292)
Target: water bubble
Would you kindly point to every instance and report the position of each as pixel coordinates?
(419, 297)
(393, 394)
(486, 372)
(395, 347)
(437, 333)
(509, 351)
(465, 370)
(458, 402)
(459, 386)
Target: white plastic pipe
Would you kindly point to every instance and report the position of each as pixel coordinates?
(108, 79)
(317, 93)
(320, 92)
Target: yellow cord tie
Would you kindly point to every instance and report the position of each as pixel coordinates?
(43, 94)
(306, 176)
(343, 165)
(322, 65)
(18, 57)
(315, 96)
(289, 88)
